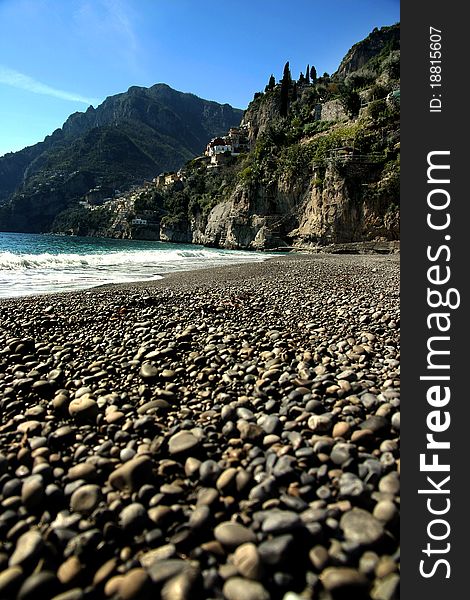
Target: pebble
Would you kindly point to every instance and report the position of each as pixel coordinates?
(385, 511)
(368, 562)
(376, 424)
(276, 550)
(387, 588)
(28, 548)
(163, 570)
(281, 521)
(181, 442)
(85, 499)
(319, 557)
(231, 535)
(133, 517)
(341, 429)
(10, 581)
(132, 474)
(32, 491)
(248, 562)
(181, 586)
(209, 470)
(361, 527)
(135, 584)
(157, 554)
(73, 594)
(344, 579)
(39, 585)
(390, 484)
(84, 408)
(69, 571)
(199, 517)
(237, 588)
(85, 471)
(226, 482)
(350, 486)
(249, 431)
(148, 372)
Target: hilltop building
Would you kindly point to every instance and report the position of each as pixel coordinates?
(232, 144)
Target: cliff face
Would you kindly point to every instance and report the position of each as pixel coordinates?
(298, 213)
(327, 172)
(379, 41)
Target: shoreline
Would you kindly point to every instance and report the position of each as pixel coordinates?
(234, 272)
(233, 427)
(204, 274)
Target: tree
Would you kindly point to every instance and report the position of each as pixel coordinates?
(294, 91)
(351, 102)
(301, 78)
(286, 76)
(313, 74)
(307, 75)
(272, 82)
(286, 83)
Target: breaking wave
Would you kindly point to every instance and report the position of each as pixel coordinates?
(11, 261)
(32, 264)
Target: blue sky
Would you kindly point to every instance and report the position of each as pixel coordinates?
(59, 56)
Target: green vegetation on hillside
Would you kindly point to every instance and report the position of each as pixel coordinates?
(296, 147)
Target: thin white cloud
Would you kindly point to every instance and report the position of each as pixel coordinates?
(24, 82)
(121, 23)
(110, 27)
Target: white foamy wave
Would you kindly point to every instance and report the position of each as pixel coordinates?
(11, 261)
(25, 273)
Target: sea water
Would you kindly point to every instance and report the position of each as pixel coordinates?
(36, 264)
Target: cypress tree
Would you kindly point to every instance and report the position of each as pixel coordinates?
(286, 76)
(286, 83)
(272, 82)
(307, 74)
(313, 74)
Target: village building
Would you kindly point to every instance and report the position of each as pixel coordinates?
(165, 179)
(218, 160)
(238, 137)
(218, 145)
(171, 178)
(98, 195)
(235, 142)
(159, 181)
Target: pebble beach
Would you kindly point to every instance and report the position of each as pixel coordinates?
(223, 434)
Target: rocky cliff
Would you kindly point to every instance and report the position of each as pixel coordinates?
(327, 172)
(378, 44)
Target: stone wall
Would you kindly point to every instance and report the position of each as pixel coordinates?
(332, 111)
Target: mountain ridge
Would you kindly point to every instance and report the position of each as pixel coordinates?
(161, 127)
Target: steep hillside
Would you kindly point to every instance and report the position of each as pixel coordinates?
(373, 54)
(129, 137)
(323, 167)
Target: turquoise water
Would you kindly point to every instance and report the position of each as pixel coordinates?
(36, 264)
